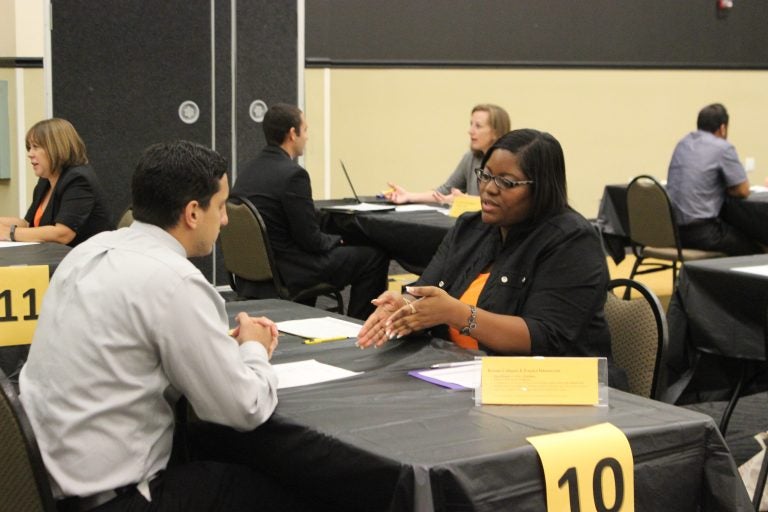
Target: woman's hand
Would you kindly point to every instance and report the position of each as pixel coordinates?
(396, 194)
(447, 198)
(433, 306)
(374, 330)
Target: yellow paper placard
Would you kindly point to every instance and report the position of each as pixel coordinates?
(463, 204)
(21, 295)
(539, 380)
(587, 470)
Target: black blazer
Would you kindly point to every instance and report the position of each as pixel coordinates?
(553, 275)
(281, 191)
(78, 202)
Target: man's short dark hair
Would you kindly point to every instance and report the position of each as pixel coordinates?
(279, 120)
(170, 175)
(540, 157)
(712, 117)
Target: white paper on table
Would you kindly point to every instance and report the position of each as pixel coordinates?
(417, 208)
(324, 327)
(758, 188)
(303, 373)
(16, 244)
(761, 270)
(361, 207)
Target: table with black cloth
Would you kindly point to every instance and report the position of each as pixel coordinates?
(386, 441)
(46, 253)
(410, 238)
(718, 311)
(750, 215)
(49, 254)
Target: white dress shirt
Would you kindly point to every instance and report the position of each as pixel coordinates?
(128, 325)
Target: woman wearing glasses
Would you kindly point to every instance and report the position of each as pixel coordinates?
(487, 123)
(526, 275)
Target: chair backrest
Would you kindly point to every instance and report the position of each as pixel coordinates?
(245, 245)
(23, 479)
(126, 219)
(638, 337)
(650, 215)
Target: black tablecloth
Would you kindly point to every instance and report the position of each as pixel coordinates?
(37, 254)
(411, 238)
(720, 313)
(750, 215)
(49, 254)
(386, 441)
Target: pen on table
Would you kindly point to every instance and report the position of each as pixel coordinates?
(456, 364)
(315, 341)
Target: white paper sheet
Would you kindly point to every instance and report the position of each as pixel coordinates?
(418, 208)
(324, 327)
(16, 244)
(303, 373)
(361, 207)
(761, 270)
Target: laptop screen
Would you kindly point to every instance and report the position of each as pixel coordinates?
(344, 168)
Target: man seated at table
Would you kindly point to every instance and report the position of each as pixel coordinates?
(704, 170)
(281, 190)
(129, 325)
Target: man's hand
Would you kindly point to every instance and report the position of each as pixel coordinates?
(260, 329)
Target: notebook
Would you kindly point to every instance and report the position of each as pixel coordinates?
(359, 205)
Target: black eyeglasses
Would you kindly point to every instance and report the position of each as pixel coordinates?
(501, 182)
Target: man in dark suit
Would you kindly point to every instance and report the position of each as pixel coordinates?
(281, 190)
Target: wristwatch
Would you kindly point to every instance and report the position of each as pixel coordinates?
(12, 234)
(471, 321)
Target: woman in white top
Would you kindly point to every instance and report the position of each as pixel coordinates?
(487, 123)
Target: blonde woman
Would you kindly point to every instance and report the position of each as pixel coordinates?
(487, 123)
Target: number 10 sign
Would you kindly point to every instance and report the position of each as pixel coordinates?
(21, 294)
(587, 470)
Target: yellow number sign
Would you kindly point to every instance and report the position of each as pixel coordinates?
(587, 470)
(21, 294)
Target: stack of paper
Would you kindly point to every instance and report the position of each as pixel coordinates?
(324, 327)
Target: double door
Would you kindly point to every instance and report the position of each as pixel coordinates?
(132, 73)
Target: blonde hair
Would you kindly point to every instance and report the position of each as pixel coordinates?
(60, 140)
(497, 117)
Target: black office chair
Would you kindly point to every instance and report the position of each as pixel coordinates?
(23, 479)
(250, 263)
(653, 231)
(638, 337)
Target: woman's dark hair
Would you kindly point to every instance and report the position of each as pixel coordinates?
(540, 157)
(169, 176)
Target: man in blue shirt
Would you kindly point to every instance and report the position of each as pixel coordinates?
(704, 170)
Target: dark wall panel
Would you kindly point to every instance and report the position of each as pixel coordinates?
(599, 33)
(266, 65)
(120, 74)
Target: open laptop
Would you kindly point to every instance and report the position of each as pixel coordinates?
(359, 205)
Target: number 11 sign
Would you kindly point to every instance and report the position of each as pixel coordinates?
(21, 294)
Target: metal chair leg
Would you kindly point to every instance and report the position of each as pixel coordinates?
(734, 398)
(760, 486)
